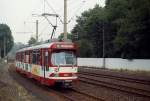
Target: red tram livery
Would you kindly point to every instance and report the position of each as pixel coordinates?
(49, 63)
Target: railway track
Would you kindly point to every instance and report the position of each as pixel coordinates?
(76, 95)
(133, 80)
(86, 78)
(43, 92)
(86, 94)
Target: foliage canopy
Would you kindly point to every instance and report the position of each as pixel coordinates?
(125, 25)
(6, 39)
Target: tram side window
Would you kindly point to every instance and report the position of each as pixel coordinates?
(38, 57)
(27, 56)
(31, 57)
(34, 58)
(23, 56)
(19, 56)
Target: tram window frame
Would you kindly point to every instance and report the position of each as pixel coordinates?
(23, 56)
(31, 57)
(34, 57)
(17, 56)
(20, 56)
(38, 57)
(27, 56)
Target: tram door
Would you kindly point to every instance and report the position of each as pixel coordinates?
(44, 62)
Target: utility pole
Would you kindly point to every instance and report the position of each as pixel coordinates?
(0, 53)
(37, 30)
(4, 47)
(65, 19)
(103, 46)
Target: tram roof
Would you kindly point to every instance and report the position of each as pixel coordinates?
(45, 45)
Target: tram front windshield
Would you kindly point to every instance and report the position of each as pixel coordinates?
(63, 58)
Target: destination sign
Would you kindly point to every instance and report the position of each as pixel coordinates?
(65, 46)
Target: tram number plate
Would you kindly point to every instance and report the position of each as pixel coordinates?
(68, 80)
(66, 75)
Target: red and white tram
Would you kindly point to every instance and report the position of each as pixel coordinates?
(49, 63)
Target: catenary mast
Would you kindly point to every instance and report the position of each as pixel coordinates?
(65, 19)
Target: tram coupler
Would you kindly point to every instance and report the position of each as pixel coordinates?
(67, 84)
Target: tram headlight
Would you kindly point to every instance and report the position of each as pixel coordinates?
(56, 69)
(51, 75)
(56, 75)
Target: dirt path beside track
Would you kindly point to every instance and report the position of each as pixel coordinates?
(10, 90)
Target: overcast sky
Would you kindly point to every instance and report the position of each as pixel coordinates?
(17, 14)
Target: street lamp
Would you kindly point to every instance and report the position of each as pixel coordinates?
(103, 45)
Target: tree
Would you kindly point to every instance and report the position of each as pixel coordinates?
(5, 35)
(133, 29)
(90, 27)
(32, 41)
(116, 11)
(125, 25)
(15, 48)
(61, 36)
(85, 48)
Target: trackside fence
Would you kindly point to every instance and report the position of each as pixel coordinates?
(116, 63)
